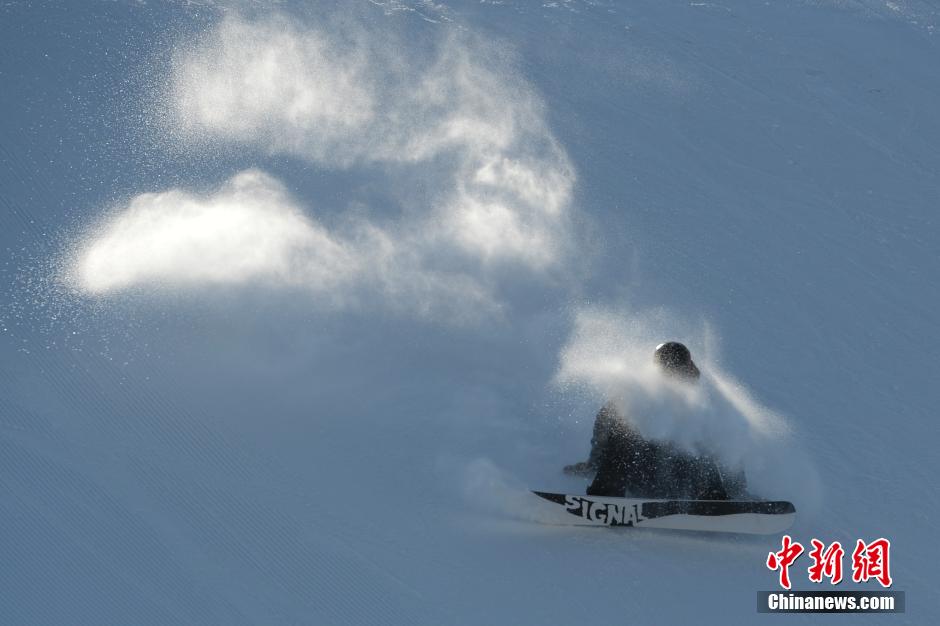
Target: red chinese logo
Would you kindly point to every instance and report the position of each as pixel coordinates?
(826, 563)
(869, 560)
(784, 559)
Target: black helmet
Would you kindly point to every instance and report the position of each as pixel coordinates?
(676, 359)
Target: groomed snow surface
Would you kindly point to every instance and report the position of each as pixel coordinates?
(297, 303)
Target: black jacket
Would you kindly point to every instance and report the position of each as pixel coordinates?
(627, 463)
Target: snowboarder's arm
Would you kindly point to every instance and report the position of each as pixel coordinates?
(607, 418)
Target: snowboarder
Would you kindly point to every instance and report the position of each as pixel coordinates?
(626, 462)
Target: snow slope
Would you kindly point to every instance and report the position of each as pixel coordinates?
(297, 302)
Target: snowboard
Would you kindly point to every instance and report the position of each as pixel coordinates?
(762, 517)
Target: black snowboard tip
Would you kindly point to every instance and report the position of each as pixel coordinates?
(558, 498)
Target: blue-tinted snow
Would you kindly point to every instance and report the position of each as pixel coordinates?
(760, 180)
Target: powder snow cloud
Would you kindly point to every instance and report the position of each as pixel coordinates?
(465, 123)
(609, 353)
(247, 229)
(251, 230)
(351, 96)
